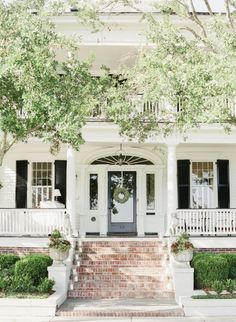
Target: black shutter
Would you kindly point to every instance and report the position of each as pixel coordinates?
(60, 179)
(21, 183)
(223, 183)
(183, 181)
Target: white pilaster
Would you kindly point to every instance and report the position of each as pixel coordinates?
(171, 184)
(71, 189)
(102, 197)
(141, 206)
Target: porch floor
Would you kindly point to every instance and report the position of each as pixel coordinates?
(147, 307)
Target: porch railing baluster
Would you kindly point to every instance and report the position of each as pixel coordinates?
(207, 221)
(34, 222)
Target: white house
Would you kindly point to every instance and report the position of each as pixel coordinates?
(116, 187)
(194, 177)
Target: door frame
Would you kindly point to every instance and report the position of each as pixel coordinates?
(131, 227)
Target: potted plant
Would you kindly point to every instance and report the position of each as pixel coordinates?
(182, 249)
(58, 247)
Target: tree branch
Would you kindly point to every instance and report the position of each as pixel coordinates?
(208, 7)
(228, 13)
(195, 18)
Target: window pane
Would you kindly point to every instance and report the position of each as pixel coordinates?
(41, 182)
(202, 185)
(93, 191)
(150, 191)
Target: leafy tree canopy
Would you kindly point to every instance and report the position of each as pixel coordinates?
(42, 96)
(188, 66)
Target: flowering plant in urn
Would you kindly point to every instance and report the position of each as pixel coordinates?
(182, 248)
(58, 247)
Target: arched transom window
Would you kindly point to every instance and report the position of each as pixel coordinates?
(122, 160)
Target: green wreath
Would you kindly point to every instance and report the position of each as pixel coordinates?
(121, 195)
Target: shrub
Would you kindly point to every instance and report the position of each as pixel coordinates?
(7, 261)
(209, 268)
(230, 285)
(34, 267)
(231, 259)
(218, 287)
(7, 265)
(45, 285)
(21, 284)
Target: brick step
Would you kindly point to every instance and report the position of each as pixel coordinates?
(106, 294)
(120, 278)
(178, 312)
(122, 256)
(122, 263)
(123, 250)
(126, 270)
(121, 286)
(123, 243)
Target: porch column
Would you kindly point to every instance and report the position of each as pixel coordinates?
(171, 184)
(71, 189)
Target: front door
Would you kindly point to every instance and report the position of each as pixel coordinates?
(122, 202)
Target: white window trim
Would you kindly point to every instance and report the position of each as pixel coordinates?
(215, 187)
(29, 181)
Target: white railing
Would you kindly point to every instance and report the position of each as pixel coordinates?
(33, 222)
(207, 221)
(162, 108)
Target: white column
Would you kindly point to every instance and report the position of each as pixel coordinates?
(71, 189)
(171, 184)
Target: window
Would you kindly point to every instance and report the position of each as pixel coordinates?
(150, 191)
(202, 185)
(41, 182)
(93, 191)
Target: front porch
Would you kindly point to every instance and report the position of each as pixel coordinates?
(41, 222)
(194, 180)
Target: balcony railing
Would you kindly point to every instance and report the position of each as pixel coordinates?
(206, 221)
(162, 109)
(33, 222)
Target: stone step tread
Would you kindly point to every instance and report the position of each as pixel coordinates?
(177, 312)
(118, 294)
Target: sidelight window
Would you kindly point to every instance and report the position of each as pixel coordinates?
(93, 191)
(150, 191)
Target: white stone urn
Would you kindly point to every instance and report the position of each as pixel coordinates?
(58, 256)
(184, 257)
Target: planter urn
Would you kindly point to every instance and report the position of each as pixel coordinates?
(58, 256)
(183, 258)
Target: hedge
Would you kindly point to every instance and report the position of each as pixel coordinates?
(7, 261)
(208, 268)
(25, 275)
(33, 267)
(231, 259)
